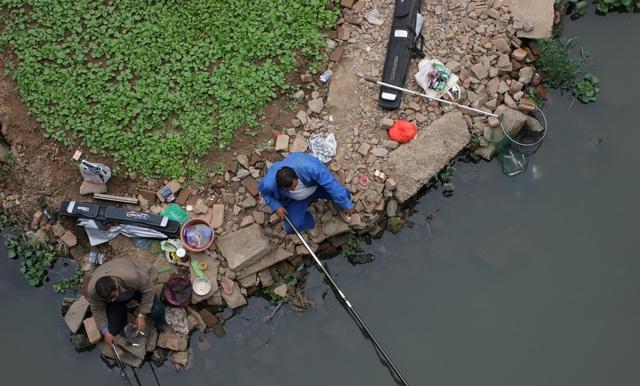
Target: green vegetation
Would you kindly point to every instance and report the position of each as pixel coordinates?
(37, 259)
(444, 178)
(587, 89)
(564, 71)
(606, 6)
(291, 280)
(352, 247)
(157, 84)
(70, 283)
(577, 8)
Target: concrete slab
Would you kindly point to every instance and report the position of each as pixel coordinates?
(172, 340)
(414, 163)
(217, 216)
(243, 247)
(76, 313)
(91, 328)
(274, 257)
(235, 299)
(538, 14)
(211, 273)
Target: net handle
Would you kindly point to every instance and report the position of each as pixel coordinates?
(544, 132)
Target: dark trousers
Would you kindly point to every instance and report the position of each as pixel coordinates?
(117, 314)
(297, 210)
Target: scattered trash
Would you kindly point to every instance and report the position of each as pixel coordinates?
(168, 192)
(177, 318)
(97, 258)
(95, 172)
(323, 148)
(363, 180)
(77, 155)
(98, 236)
(326, 76)
(435, 78)
(380, 174)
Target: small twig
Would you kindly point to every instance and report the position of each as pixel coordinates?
(273, 313)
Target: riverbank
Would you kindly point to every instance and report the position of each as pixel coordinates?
(478, 42)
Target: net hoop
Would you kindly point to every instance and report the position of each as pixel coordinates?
(538, 142)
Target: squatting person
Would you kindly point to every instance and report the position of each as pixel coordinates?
(292, 184)
(113, 285)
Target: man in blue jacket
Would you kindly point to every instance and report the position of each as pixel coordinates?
(292, 184)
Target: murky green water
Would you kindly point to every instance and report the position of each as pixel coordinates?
(526, 281)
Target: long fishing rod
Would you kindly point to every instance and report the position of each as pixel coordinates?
(350, 308)
(123, 372)
(135, 375)
(153, 370)
(379, 83)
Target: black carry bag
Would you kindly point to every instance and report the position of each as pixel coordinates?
(403, 44)
(112, 214)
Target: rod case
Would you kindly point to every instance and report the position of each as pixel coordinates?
(106, 214)
(402, 45)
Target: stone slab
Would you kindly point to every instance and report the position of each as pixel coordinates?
(538, 13)
(211, 273)
(91, 328)
(172, 340)
(235, 299)
(76, 313)
(414, 163)
(276, 256)
(217, 216)
(243, 247)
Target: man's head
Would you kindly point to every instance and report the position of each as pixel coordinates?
(286, 178)
(107, 289)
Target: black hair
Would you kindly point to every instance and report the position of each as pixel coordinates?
(285, 177)
(104, 287)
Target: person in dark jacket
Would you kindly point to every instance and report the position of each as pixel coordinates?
(113, 285)
(292, 184)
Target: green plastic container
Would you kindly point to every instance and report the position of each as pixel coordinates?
(175, 212)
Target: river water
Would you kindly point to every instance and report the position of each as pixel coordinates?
(530, 280)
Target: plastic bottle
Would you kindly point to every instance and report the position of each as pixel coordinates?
(326, 76)
(198, 235)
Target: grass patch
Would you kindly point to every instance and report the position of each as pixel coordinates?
(564, 71)
(157, 84)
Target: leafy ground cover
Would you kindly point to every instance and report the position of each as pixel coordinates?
(565, 71)
(156, 84)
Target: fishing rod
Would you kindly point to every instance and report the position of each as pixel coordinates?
(123, 372)
(350, 308)
(383, 84)
(154, 374)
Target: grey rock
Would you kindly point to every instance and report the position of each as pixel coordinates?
(316, 105)
(392, 207)
(389, 144)
(244, 247)
(90, 188)
(379, 151)
(300, 144)
(525, 75)
(282, 142)
(242, 173)
(243, 160)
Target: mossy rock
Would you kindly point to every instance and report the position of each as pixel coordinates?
(395, 224)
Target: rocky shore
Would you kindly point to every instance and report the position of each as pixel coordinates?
(482, 42)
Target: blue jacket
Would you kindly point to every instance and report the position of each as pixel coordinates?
(311, 172)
